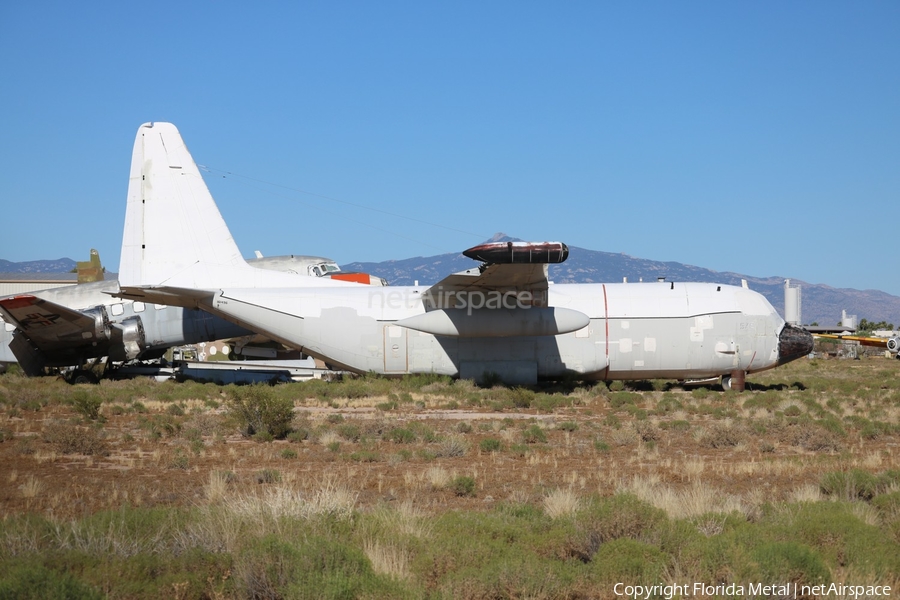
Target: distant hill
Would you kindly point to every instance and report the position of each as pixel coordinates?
(60, 265)
(821, 304)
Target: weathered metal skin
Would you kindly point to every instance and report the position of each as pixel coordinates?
(519, 252)
(793, 343)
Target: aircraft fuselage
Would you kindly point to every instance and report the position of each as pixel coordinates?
(635, 330)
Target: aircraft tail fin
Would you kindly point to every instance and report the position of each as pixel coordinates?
(174, 233)
(90, 270)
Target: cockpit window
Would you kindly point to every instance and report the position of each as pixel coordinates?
(316, 271)
(331, 268)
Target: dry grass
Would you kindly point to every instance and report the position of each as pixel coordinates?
(276, 501)
(561, 502)
(696, 500)
(438, 477)
(405, 519)
(627, 436)
(216, 486)
(32, 488)
(329, 437)
(809, 492)
(388, 559)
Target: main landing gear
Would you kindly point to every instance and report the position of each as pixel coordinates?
(734, 381)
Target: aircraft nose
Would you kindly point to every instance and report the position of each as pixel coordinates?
(793, 342)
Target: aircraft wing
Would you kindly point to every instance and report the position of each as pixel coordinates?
(508, 267)
(48, 325)
(891, 343)
(495, 277)
(504, 297)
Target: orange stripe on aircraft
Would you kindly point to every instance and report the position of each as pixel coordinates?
(18, 302)
(354, 277)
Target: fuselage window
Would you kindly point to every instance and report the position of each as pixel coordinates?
(138, 307)
(117, 309)
(159, 306)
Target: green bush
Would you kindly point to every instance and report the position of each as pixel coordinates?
(175, 410)
(463, 486)
(790, 562)
(620, 399)
(534, 435)
(401, 435)
(349, 432)
(832, 531)
(365, 456)
(850, 485)
(268, 476)
(490, 445)
(521, 397)
(625, 559)
(71, 439)
(86, 404)
(298, 435)
(607, 519)
(35, 582)
(600, 445)
(309, 567)
(258, 409)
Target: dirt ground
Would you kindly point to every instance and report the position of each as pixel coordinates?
(753, 453)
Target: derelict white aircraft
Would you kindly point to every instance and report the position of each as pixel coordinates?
(70, 325)
(502, 317)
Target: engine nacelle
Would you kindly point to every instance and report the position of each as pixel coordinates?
(100, 332)
(893, 344)
(133, 338)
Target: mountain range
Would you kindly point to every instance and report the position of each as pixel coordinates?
(60, 265)
(821, 303)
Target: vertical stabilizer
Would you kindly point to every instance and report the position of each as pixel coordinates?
(174, 233)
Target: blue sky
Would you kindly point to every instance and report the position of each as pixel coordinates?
(761, 138)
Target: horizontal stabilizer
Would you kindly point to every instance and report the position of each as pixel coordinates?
(172, 296)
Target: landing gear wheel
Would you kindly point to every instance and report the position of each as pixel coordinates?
(82, 376)
(726, 383)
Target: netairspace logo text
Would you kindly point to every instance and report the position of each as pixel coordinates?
(750, 590)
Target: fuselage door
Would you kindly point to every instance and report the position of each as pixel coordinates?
(395, 358)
